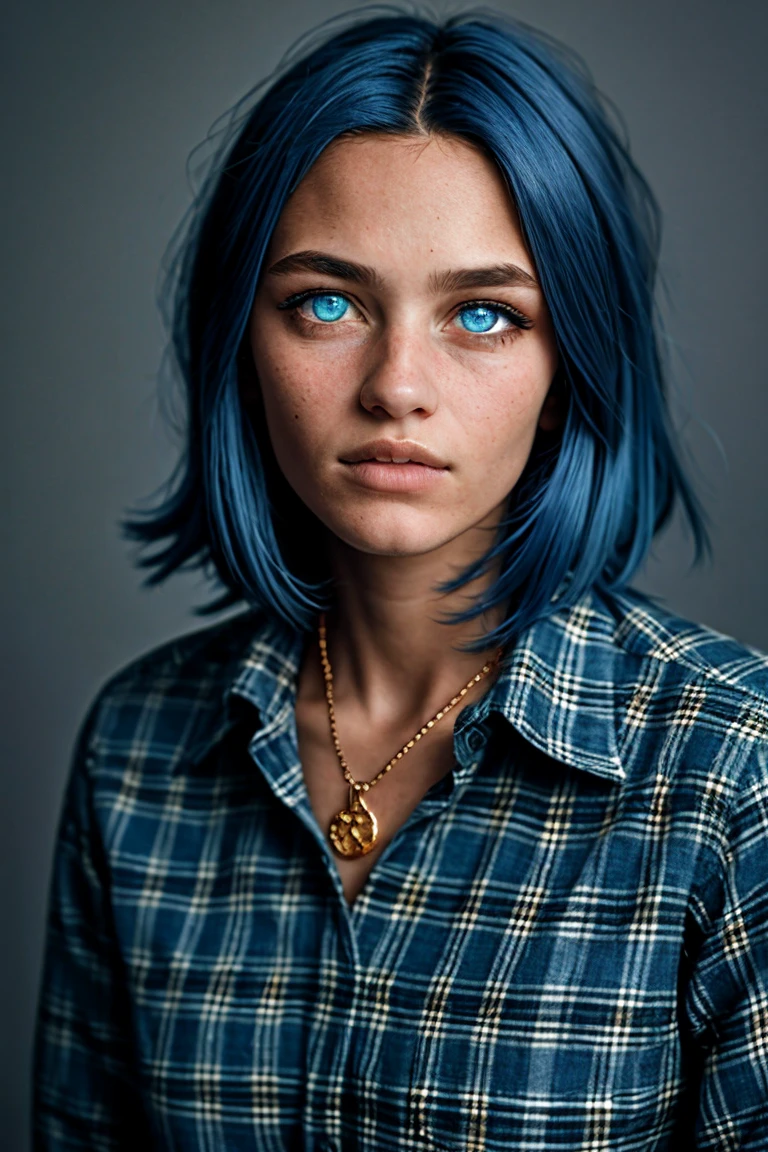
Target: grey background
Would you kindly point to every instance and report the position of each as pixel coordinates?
(102, 105)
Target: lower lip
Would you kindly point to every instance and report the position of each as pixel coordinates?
(382, 477)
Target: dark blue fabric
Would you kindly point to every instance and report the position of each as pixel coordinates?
(564, 947)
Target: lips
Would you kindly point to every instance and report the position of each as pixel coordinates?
(399, 452)
(394, 466)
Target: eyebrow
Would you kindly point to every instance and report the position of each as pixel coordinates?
(493, 276)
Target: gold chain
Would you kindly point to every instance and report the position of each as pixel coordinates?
(353, 830)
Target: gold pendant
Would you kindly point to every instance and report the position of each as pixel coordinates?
(354, 829)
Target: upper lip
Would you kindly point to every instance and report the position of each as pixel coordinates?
(384, 450)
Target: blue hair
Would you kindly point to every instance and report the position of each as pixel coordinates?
(593, 495)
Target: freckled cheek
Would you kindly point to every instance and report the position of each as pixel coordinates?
(505, 416)
(285, 388)
(301, 416)
(316, 391)
(514, 402)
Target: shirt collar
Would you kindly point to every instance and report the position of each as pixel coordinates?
(261, 674)
(557, 686)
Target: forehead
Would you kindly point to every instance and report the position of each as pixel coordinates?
(401, 195)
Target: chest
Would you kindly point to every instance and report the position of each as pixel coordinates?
(518, 940)
(389, 802)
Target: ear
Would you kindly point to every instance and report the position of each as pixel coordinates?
(552, 410)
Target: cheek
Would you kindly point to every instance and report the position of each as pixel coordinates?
(286, 389)
(295, 373)
(509, 403)
(303, 403)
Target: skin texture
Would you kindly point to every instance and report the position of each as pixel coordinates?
(401, 364)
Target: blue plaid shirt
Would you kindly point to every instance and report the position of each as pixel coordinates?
(564, 947)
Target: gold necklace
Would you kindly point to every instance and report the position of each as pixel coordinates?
(353, 830)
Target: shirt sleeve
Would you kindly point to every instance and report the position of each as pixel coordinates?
(85, 1093)
(727, 997)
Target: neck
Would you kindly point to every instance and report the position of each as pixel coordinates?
(389, 642)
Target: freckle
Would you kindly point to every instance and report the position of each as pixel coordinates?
(295, 415)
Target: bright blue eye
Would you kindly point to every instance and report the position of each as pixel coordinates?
(329, 307)
(478, 318)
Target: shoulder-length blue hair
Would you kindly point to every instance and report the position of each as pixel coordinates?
(591, 498)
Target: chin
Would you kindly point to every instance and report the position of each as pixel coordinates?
(398, 535)
(401, 546)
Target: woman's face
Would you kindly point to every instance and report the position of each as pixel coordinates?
(402, 344)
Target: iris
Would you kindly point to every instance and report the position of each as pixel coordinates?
(478, 319)
(329, 307)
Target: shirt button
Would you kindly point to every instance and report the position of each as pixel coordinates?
(476, 740)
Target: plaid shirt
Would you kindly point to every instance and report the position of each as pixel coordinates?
(564, 947)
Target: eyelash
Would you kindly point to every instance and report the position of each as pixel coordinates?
(520, 321)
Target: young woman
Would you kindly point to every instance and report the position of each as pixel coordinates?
(449, 840)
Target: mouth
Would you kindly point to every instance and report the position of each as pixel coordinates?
(394, 466)
(395, 452)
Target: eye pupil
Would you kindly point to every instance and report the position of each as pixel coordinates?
(329, 307)
(478, 319)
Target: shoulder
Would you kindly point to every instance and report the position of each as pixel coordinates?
(694, 742)
(692, 703)
(164, 702)
(641, 626)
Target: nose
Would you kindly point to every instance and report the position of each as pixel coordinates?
(401, 380)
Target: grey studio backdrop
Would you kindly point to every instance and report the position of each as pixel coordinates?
(102, 105)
